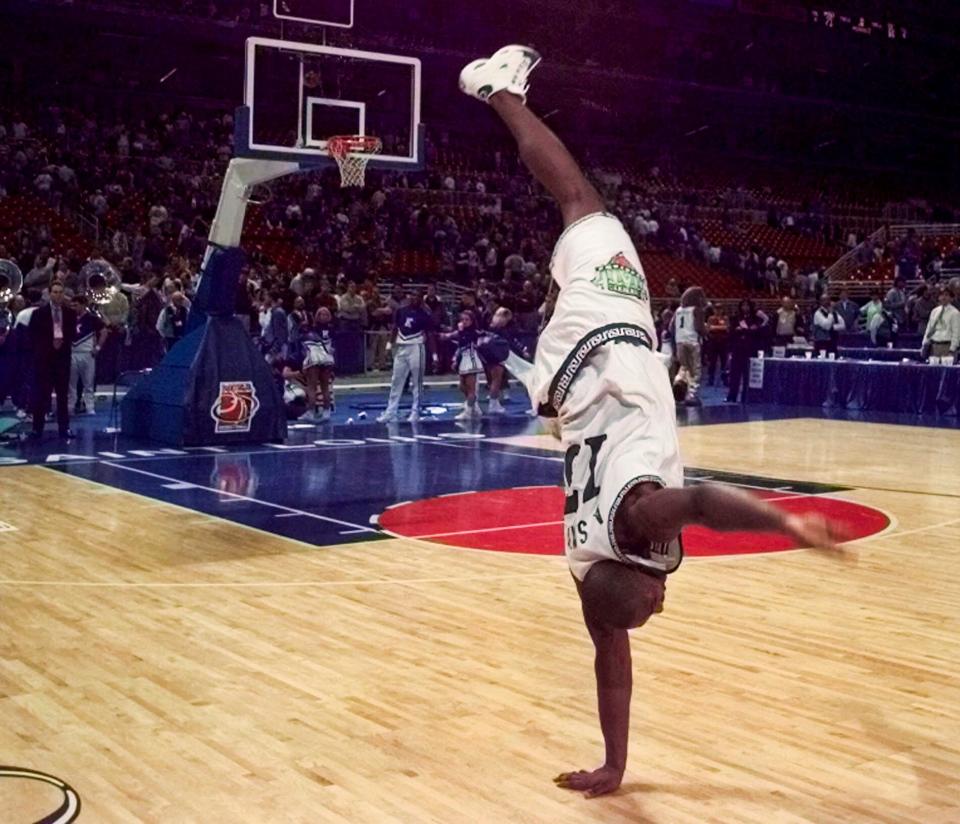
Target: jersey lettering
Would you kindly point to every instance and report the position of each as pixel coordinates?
(577, 535)
(591, 491)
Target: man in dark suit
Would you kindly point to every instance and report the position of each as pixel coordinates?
(52, 330)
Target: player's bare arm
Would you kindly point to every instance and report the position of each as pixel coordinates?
(614, 673)
(660, 514)
(616, 597)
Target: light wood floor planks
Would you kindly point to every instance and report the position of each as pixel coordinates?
(176, 668)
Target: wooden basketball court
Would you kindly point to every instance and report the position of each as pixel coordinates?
(172, 666)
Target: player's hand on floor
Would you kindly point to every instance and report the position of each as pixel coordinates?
(599, 782)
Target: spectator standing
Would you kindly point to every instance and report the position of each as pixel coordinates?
(828, 323)
(746, 334)
(896, 302)
(172, 321)
(871, 309)
(883, 328)
(526, 304)
(789, 323)
(849, 310)
(379, 322)
(297, 323)
(438, 320)
(90, 336)
(144, 341)
(942, 336)
(325, 299)
(352, 309)
(715, 348)
(919, 307)
(277, 330)
(52, 330)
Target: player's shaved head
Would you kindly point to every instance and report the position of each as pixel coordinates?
(620, 596)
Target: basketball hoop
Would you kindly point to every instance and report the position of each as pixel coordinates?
(352, 153)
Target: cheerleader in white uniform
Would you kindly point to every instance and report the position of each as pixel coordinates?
(319, 362)
(467, 363)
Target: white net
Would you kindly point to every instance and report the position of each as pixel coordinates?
(352, 153)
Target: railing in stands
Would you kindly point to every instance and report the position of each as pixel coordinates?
(862, 254)
(860, 289)
(856, 257)
(448, 291)
(924, 230)
(88, 225)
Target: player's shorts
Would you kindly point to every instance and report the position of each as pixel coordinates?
(618, 424)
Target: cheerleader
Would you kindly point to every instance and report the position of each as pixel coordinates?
(467, 363)
(494, 346)
(318, 365)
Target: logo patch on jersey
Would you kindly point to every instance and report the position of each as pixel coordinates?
(235, 407)
(620, 276)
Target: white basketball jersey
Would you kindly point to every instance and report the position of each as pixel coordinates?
(685, 325)
(603, 298)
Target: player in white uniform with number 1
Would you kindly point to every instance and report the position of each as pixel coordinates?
(597, 375)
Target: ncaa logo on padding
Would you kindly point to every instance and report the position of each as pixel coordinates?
(235, 407)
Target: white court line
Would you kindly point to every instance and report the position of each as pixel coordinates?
(364, 582)
(235, 496)
(885, 534)
(266, 450)
(501, 452)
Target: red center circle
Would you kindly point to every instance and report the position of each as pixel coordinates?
(529, 520)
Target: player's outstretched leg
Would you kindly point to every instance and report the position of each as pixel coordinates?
(501, 81)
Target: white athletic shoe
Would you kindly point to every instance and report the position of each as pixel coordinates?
(386, 418)
(469, 413)
(495, 407)
(413, 417)
(324, 416)
(507, 70)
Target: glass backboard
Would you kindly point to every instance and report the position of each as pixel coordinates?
(297, 95)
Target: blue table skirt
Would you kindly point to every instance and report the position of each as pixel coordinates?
(909, 388)
(879, 354)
